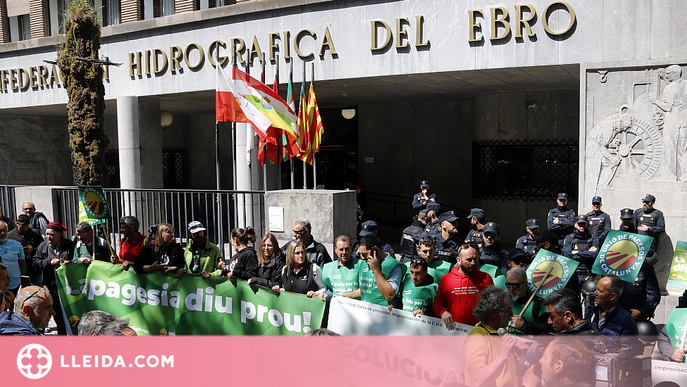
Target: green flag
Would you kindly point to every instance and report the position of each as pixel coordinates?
(94, 202)
(678, 269)
(562, 269)
(622, 254)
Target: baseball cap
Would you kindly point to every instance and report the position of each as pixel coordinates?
(449, 216)
(433, 206)
(368, 228)
(424, 183)
(195, 227)
(517, 253)
(581, 219)
(648, 198)
(476, 212)
(562, 196)
(491, 227)
(596, 199)
(532, 223)
(626, 213)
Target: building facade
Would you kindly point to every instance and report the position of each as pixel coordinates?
(499, 104)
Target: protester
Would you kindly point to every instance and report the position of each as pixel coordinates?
(565, 313)
(380, 274)
(83, 251)
(271, 260)
(29, 241)
(616, 325)
(200, 255)
(132, 242)
(12, 255)
(6, 297)
(37, 220)
(99, 323)
(33, 308)
(244, 264)
(437, 268)
(315, 251)
(300, 275)
(341, 277)
(419, 289)
(534, 319)
(164, 254)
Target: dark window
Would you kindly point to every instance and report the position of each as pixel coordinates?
(175, 168)
(112, 161)
(521, 170)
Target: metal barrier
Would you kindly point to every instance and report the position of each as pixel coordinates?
(218, 211)
(7, 201)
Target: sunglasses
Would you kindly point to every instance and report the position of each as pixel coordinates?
(513, 285)
(300, 231)
(418, 261)
(489, 235)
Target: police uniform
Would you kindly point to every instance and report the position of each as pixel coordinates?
(628, 213)
(408, 243)
(654, 219)
(566, 218)
(476, 235)
(447, 250)
(419, 202)
(599, 225)
(643, 294)
(368, 228)
(494, 254)
(576, 246)
(526, 242)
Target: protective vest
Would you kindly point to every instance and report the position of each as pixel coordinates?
(596, 223)
(634, 293)
(437, 268)
(418, 297)
(648, 219)
(369, 291)
(492, 270)
(579, 245)
(342, 279)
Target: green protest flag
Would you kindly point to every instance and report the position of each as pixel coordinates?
(562, 269)
(676, 327)
(83, 217)
(94, 202)
(156, 304)
(678, 269)
(622, 255)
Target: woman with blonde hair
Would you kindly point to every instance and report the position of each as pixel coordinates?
(271, 261)
(163, 254)
(300, 275)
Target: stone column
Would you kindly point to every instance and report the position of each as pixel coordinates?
(140, 142)
(131, 11)
(181, 6)
(243, 174)
(4, 26)
(39, 18)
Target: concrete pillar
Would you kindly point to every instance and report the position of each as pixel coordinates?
(243, 175)
(131, 11)
(4, 26)
(139, 137)
(39, 18)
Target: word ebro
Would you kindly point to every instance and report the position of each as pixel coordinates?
(500, 20)
(157, 61)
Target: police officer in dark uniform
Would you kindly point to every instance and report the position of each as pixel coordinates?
(649, 221)
(449, 242)
(491, 251)
(477, 222)
(527, 242)
(370, 228)
(548, 241)
(433, 221)
(422, 198)
(599, 221)
(583, 248)
(560, 220)
(408, 244)
(640, 297)
(627, 219)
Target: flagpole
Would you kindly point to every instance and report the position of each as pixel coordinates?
(314, 162)
(305, 165)
(291, 163)
(279, 151)
(264, 164)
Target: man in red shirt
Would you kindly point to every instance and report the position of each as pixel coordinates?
(460, 288)
(131, 243)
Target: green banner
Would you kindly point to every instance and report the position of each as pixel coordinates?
(622, 255)
(83, 217)
(676, 326)
(678, 270)
(94, 202)
(156, 304)
(562, 269)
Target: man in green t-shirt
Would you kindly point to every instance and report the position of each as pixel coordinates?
(419, 289)
(380, 274)
(341, 276)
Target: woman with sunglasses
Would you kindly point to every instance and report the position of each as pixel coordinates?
(300, 275)
(271, 260)
(163, 254)
(244, 264)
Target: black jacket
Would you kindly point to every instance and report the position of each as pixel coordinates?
(244, 264)
(300, 282)
(168, 255)
(45, 253)
(270, 274)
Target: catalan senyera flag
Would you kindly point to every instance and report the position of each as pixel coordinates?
(315, 125)
(245, 99)
(303, 127)
(291, 145)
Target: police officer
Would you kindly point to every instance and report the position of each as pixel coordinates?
(370, 228)
(449, 242)
(548, 241)
(408, 247)
(560, 220)
(491, 251)
(583, 248)
(433, 222)
(527, 242)
(599, 221)
(649, 221)
(627, 221)
(422, 198)
(641, 297)
(477, 222)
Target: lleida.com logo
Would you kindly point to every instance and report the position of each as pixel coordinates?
(34, 361)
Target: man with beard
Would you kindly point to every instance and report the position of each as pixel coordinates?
(54, 251)
(419, 289)
(491, 252)
(599, 221)
(583, 248)
(448, 237)
(534, 320)
(201, 256)
(565, 363)
(560, 220)
(29, 241)
(490, 358)
(649, 221)
(527, 242)
(459, 289)
(565, 314)
(477, 222)
(315, 251)
(341, 276)
(12, 255)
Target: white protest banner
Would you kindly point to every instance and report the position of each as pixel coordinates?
(668, 372)
(353, 317)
